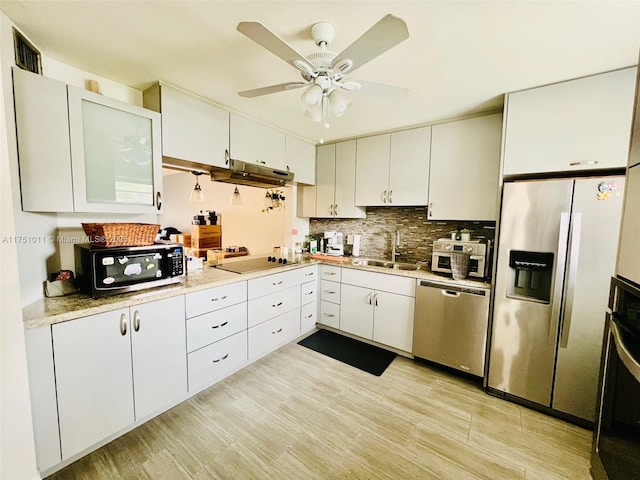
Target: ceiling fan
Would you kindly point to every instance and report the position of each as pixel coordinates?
(324, 72)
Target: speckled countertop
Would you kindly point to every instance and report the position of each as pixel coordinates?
(60, 309)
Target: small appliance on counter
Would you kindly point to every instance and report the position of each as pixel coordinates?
(113, 270)
(445, 250)
(334, 245)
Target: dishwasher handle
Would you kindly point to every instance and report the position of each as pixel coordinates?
(454, 290)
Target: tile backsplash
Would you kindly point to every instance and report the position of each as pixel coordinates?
(417, 234)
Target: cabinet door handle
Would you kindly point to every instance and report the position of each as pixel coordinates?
(390, 194)
(123, 324)
(277, 331)
(262, 162)
(586, 162)
(369, 298)
(136, 321)
(335, 210)
(227, 157)
(431, 209)
(277, 283)
(375, 299)
(218, 298)
(218, 326)
(276, 305)
(384, 197)
(221, 358)
(158, 201)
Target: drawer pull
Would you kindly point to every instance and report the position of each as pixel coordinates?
(310, 274)
(220, 298)
(221, 358)
(329, 315)
(329, 273)
(277, 283)
(277, 331)
(330, 292)
(276, 305)
(309, 316)
(309, 293)
(218, 326)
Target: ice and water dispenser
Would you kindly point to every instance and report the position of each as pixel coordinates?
(530, 276)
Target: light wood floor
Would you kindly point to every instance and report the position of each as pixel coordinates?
(296, 414)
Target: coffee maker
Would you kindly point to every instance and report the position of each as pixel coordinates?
(334, 244)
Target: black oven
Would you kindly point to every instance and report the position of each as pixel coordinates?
(616, 441)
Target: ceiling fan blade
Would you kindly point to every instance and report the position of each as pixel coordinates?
(272, 42)
(385, 34)
(281, 87)
(381, 90)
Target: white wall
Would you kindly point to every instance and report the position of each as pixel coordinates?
(242, 225)
(17, 450)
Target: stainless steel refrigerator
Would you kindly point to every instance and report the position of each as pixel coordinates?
(556, 255)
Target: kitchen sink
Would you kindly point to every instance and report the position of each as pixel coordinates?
(384, 263)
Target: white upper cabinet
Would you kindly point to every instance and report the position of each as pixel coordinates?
(193, 129)
(581, 124)
(254, 142)
(101, 154)
(393, 169)
(335, 181)
(465, 166)
(301, 159)
(372, 170)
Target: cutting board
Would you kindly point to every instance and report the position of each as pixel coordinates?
(329, 258)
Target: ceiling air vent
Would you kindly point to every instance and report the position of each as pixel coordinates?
(27, 57)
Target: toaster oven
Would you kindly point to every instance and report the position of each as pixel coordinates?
(113, 270)
(479, 256)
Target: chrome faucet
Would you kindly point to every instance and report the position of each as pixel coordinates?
(395, 242)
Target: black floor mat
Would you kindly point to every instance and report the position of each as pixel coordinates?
(371, 359)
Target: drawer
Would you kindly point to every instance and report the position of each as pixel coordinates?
(308, 274)
(272, 305)
(330, 291)
(380, 281)
(214, 326)
(211, 299)
(329, 314)
(258, 287)
(273, 333)
(308, 316)
(217, 360)
(308, 292)
(330, 272)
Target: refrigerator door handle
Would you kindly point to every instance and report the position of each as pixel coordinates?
(563, 240)
(572, 267)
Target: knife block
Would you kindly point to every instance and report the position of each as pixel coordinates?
(205, 237)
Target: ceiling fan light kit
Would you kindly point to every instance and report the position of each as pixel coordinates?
(323, 71)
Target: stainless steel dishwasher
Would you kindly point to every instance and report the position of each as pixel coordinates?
(451, 325)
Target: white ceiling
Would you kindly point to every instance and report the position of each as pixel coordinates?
(461, 56)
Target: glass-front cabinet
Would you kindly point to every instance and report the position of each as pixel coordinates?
(80, 151)
(115, 155)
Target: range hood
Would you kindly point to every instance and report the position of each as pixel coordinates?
(238, 173)
(242, 173)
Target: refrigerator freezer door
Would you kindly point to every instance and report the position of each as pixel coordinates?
(524, 332)
(629, 257)
(595, 223)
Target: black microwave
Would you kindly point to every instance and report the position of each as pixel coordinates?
(113, 270)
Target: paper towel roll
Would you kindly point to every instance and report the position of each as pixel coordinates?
(355, 251)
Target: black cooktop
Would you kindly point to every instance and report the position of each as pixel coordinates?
(254, 264)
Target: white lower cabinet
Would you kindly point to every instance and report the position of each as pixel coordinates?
(211, 327)
(273, 304)
(329, 314)
(215, 361)
(370, 312)
(308, 316)
(269, 335)
(101, 360)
